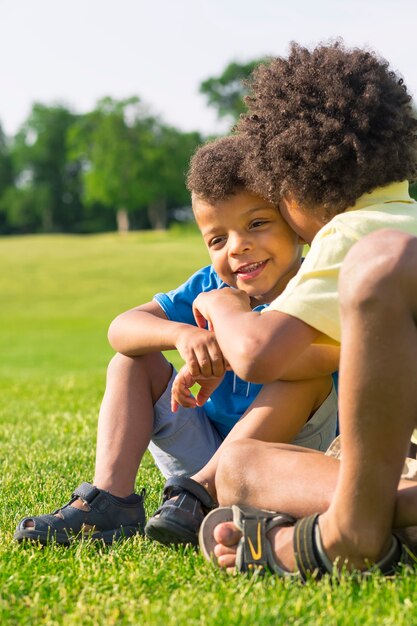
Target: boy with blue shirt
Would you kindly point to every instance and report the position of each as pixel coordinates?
(252, 248)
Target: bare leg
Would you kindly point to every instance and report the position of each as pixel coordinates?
(278, 477)
(288, 479)
(278, 414)
(134, 384)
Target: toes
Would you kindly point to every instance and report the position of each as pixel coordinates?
(227, 561)
(227, 534)
(220, 550)
(28, 523)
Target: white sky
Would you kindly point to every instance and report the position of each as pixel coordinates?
(78, 51)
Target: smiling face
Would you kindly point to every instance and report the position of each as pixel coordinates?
(250, 245)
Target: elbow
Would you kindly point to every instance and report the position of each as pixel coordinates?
(252, 362)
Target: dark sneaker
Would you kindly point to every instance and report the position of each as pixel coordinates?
(185, 503)
(104, 517)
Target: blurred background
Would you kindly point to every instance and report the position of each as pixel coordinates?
(102, 103)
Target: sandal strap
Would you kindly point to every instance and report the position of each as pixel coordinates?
(86, 492)
(97, 499)
(312, 560)
(307, 556)
(254, 549)
(183, 483)
(252, 552)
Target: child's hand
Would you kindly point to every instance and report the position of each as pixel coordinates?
(200, 351)
(210, 301)
(181, 394)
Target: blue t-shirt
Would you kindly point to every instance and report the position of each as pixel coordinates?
(233, 396)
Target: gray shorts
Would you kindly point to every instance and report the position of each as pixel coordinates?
(183, 442)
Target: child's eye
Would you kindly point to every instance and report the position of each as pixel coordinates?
(258, 223)
(216, 241)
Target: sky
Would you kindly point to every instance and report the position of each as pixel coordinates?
(76, 52)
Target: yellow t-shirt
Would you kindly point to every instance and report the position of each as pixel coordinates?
(312, 295)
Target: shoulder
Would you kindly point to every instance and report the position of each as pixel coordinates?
(204, 279)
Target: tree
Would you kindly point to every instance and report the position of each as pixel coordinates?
(47, 193)
(112, 143)
(226, 92)
(6, 178)
(131, 161)
(168, 165)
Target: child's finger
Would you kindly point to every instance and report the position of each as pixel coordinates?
(200, 319)
(218, 365)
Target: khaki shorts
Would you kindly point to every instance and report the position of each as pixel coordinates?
(183, 442)
(410, 465)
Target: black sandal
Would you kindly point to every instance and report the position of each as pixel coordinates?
(185, 503)
(313, 562)
(254, 552)
(107, 519)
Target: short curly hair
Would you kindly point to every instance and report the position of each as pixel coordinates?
(327, 125)
(215, 171)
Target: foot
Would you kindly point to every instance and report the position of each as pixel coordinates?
(227, 536)
(356, 550)
(100, 516)
(184, 506)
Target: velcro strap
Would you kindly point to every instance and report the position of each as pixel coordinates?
(193, 487)
(87, 492)
(305, 549)
(254, 554)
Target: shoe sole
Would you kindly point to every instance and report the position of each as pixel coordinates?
(108, 536)
(206, 539)
(170, 533)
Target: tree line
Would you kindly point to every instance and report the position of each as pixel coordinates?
(117, 166)
(110, 167)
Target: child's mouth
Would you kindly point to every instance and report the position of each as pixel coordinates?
(251, 270)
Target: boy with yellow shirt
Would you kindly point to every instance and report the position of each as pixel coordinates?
(333, 138)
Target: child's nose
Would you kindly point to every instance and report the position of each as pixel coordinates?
(239, 242)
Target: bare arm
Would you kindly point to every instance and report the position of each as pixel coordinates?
(259, 348)
(314, 362)
(146, 329)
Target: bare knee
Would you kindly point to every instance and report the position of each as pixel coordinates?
(151, 369)
(380, 269)
(236, 478)
(121, 365)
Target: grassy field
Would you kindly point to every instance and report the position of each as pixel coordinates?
(58, 295)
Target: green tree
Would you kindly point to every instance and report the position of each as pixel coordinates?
(47, 193)
(168, 166)
(131, 162)
(226, 92)
(111, 143)
(6, 179)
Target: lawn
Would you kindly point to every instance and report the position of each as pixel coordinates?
(58, 295)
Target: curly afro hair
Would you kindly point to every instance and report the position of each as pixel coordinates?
(327, 126)
(215, 171)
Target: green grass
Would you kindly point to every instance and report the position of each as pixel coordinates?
(58, 295)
